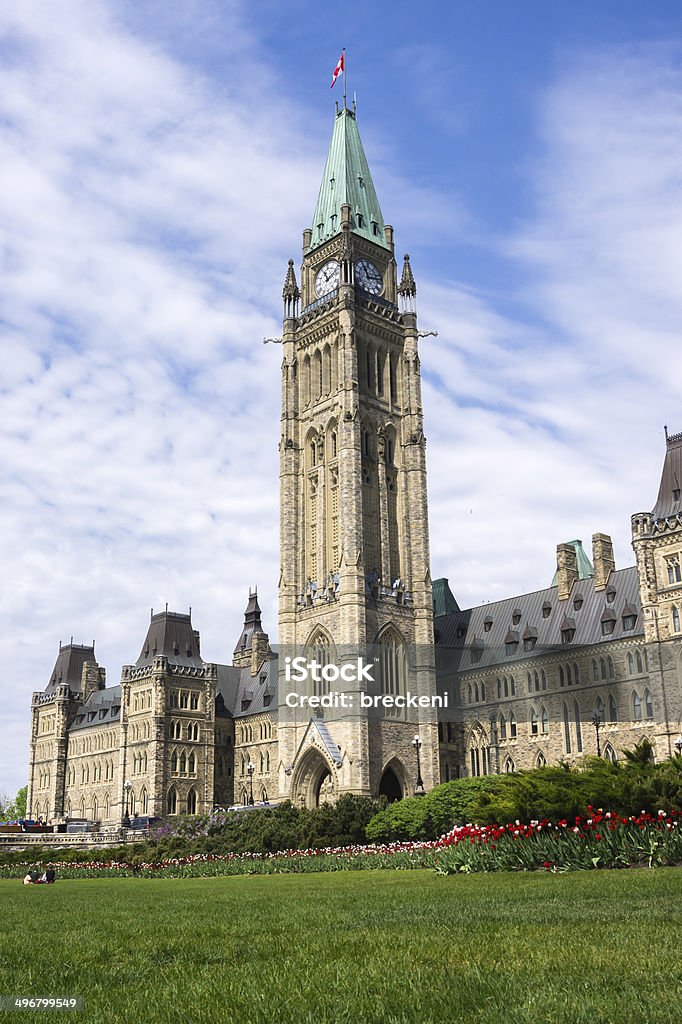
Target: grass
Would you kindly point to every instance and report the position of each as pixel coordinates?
(361, 948)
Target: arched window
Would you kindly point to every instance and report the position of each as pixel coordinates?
(499, 687)
(578, 731)
(192, 801)
(512, 725)
(503, 727)
(648, 704)
(631, 664)
(544, 679)
(95, 808)
(561, 675)
(530, 685)
(636, 707)
(536, 678)
(509, 766)
(533, 722)
(567, 730)
(576, 673)
(595, 670)
(144, 801)
(639, 661)
(506, 687)
(476, 692)
(610, 667)
(602, 665)
(610, 754)
(172, 800)
(600, 710)
(540, 760)
(106, 807)
(471, 694)
(174, 761)
(267, 761)
(132, 803)
(613, 709)
(676, 619)
(264, 796)
(512, 684)
(544, 721)
(183, 763)
(393, 668)
(191, 764)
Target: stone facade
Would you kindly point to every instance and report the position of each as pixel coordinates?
(595, 660)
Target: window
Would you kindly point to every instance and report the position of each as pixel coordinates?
(608, 623)
(629, 621)
(183, 763)
(567, 730)
(544, 679)
(546, 610)
(487, 625)
(512, 683)
(471, 694)
(578, 731)
(673, 567)
(561, 675)
(174, 698)
(512, 726)
(509, 766)
(602, 665)
(192, 801)
(506, 687)
(576, 673)
(567, 634)
(530, 684)
(610, 754)
(631, 664)
(540, 760)
(613, 710)
(499, 687)
(636, 707)
(172, 801)
(599, 710)
(194, 701)
(609, 662)
(503, 727)
(648, 704)
(534, 722)
(537, 682)
(516, 617)
(544, 721)
(676, 619)
(184, 698)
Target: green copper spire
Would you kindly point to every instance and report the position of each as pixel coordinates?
(347, 179)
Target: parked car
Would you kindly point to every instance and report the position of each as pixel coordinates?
(142, 822)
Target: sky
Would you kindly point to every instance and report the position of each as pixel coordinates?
(158, 163)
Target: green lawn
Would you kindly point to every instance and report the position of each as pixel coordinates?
(385, 947)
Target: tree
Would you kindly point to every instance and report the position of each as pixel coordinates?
(16, 808)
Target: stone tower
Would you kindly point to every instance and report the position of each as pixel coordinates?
(657, 542)
(354, 523)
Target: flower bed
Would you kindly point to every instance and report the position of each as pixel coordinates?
(598, 840)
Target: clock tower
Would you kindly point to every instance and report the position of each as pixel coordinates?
(354, 536)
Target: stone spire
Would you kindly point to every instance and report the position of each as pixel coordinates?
(407, 289)
(290, 292)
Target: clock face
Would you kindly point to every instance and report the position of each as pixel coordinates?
(327, 278)
(369, 277)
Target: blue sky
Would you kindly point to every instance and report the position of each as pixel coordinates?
(159, 163)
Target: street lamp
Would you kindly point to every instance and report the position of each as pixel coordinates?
(127, 785)
(417, 743)
(251, 769)
(596, 722)
(678, 746)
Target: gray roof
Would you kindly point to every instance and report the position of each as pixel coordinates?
(170, 634)
(245, 694)
(69, 666)
(101, 708)
(668, 502)
(252, 623)
(517, 619)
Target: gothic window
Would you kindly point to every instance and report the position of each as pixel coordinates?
(184, 698)
(174, 761)
(576, 673)
(393, 668)
(540, 760)
(503, 727)
(174, 698)
(631, 664)
(380, 372)
(530, 684)
(544, 721)
(602, 665)
(537, 682)
(509, 766)
(191, 764)
(600, 710)
(636, 707)
(567, 730)
(506, 687)
(326, 370)
(544, 679)
(499, 687)
(192, 801)
(476, 692)
(609, 662)
(512, 726)
(482, 691)
(613, 709)
(318, 649)
(648, 704)
(561, 675)
(183, 763)
(533, 722)
(471, 694)
(610, 754)
(144, 801)
(578, 731)
(306, 382)
(676, 619)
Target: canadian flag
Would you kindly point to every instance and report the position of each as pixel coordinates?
(340, 66)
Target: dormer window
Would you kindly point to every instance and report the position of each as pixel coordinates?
(511, 642)
(516, 617)
(488, 624)
(577, 602)
(546, 610)
(608, 622)
(610, 595)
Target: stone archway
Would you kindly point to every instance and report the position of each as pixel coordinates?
(390, 786)
(313, 782)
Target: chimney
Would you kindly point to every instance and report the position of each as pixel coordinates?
(260, 650)
(92, 678)
(566, 569)
(602, 557)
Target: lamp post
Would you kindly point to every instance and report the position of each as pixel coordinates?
(251, 769)
(596, 722)
(417, 743)
(678, 746)
(127, 786)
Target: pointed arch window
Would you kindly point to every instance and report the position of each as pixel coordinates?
(192, 801)
(533, 722)
(610, 754)
(509, 766)
(613, 709)
(578, 730)
(648, 704)
(636, 707)
(540, 760)
(567, 730)
(512, 725)
(503, 727)
(544, 721)
(183, 763)
(676, 619)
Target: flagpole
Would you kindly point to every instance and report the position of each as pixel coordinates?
(344, 77)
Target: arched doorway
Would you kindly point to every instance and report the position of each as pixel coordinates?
(390, 786)
(313, 783)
